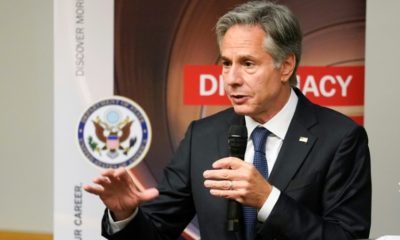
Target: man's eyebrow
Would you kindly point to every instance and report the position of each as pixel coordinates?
(241, 58)
(222, 58)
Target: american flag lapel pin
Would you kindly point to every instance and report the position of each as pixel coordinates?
(303, 139)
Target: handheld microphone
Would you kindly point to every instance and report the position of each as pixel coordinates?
(237, 141)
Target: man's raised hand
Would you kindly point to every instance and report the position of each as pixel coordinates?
(118, 192)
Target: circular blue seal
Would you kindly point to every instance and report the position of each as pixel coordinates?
(114, 133)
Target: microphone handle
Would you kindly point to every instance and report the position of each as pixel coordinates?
(237, 141)
(233, 216)
(233, 222)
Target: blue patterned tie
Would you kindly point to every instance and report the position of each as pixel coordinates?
(259, 137)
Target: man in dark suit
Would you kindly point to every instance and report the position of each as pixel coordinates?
(314, 182)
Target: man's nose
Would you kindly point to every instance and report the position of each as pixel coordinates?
(233, 76)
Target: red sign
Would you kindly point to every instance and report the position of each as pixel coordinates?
(203, 85)
(332, 86)
(338, 87)
(329, 86)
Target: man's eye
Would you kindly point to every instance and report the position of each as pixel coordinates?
(226, 63)
(248, 64)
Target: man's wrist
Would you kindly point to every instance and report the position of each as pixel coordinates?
(118, 225)
(122, 215)
(269, 204)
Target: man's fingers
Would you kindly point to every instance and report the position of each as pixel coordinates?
(104, 181)
(224, 184)
(148, 194)
(108, 172)
(119, 181)
(218, 174)
(230, 194)
(223, 169)
(224, 174)
(113, 173)
(116, 175)
(93, 189)
(229, 163)
(120, 172)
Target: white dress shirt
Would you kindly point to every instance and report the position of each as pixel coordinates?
(278, 126)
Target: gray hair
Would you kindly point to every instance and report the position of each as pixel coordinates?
(283, 29)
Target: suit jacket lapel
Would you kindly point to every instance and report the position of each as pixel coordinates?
(296, 145)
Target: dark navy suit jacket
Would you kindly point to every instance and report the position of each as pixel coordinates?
(325, 182)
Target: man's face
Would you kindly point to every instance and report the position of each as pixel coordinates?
(253, 84)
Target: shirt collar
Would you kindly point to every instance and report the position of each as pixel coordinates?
(278, 124)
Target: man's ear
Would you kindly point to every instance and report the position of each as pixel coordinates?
(287, 67)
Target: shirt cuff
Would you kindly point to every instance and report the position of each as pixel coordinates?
(116, 226)
(269, 204)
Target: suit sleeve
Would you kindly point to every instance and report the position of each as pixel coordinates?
(346, 199)
(168, 215)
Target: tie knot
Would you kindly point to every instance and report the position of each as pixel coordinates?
(259, 136)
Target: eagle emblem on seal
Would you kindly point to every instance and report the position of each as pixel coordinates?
(112, 139)
(114, 132)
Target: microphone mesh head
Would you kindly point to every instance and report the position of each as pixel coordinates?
(237, 140)
(238, 131)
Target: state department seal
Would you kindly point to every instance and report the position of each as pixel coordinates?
(114, 133)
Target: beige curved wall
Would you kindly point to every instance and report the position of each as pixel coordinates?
(382, 114)
(26, 116)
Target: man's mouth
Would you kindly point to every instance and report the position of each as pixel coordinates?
(238, 98)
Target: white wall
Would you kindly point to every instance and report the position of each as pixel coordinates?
(26, 112)
(26, 87)
(382, 112)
